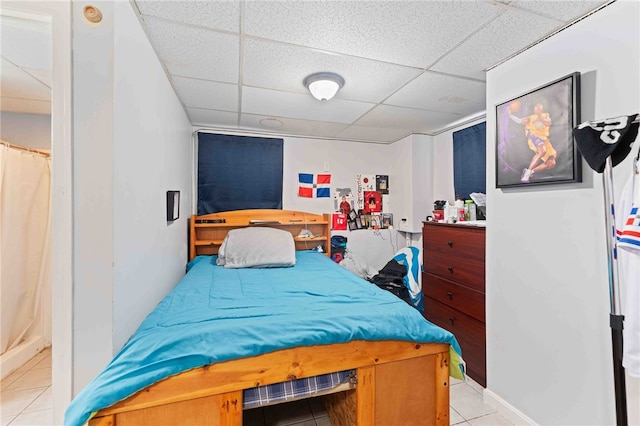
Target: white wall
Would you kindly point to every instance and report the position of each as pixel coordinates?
(408, 163)
(345, 161)
(152, 154)
(547, 301)
(132, 143)
(28, 130)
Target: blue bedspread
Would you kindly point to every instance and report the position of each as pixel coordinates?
(216, 314)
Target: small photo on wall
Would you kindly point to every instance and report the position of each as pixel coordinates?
(382, 184)
(372, 202)
(387, 220)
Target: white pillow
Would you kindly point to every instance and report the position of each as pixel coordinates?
(257, 247)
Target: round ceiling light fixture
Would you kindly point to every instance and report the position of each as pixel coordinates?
(323, 85)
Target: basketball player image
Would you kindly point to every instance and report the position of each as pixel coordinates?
(536, 129)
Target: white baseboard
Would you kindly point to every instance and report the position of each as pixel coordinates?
(15, 358)
(506, 409)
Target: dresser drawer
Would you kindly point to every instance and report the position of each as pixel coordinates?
(458, 297)
(455, 240)
(455, 253)
(466, 271)
(469, 332)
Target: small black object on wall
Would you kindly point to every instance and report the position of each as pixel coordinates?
(173, 205)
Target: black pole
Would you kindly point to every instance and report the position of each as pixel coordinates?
(616, 322)
(616, 319)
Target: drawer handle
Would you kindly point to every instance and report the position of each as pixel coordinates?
(450, 243)
(450, 295)
(450, 268)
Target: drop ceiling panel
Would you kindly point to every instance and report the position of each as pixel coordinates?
(437, 92)
(27, 106)
(222, 15)
(195, 52)
(42, 75)
(211, 118)
(284, 67)
(565, 11)
(372, 134)
(292, 126)
(510, 32)
(302, 106)
(15, 83)
(26, 43)
(206, 94)
(411, 120)
(410, 33)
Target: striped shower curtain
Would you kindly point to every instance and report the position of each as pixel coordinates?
(24, 242)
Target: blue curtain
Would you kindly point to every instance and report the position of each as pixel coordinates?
(470, 160)
(238, 172)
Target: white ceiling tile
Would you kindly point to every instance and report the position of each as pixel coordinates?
(206, 94)
(509, 33)
(44, 76)
(195, 52)
(302, 106)
(563, 10)
(15, 83)
(437, 92)
(27, 106)
(223, 15)
(284, 67)
(413, 120)
(372, 134)
(26, 43)
(411, 33)
(292, 126)
(211, 118)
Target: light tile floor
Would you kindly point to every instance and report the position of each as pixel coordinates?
(25, 399)
(25, 395)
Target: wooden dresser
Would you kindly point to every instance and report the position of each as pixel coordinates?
(453, 283)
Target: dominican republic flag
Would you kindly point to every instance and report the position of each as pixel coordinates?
(312, 186)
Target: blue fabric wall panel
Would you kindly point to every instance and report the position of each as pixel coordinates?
(238, 172)
(470, 160)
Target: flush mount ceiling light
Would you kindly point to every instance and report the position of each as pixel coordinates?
(323, 85)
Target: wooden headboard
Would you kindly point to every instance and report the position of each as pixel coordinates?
(208, 231)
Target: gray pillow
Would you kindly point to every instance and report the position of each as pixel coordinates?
(257, 247)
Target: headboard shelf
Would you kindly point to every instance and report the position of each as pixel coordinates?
(207, 232)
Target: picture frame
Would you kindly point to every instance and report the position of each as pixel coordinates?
(374, 221)
(173, 205)
(386, 220)
(534, 136)
(382, 184)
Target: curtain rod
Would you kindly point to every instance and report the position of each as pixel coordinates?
(24, 148)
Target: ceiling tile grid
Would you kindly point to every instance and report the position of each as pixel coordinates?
(409, 66)
(437, 92)
(195, 52)
(206, 94)
(220, 15)
(413, 33)
(296, 105)
(284, 67)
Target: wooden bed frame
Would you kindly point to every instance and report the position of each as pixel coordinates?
(398, 383)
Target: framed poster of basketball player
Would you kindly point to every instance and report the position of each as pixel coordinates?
(534, 136)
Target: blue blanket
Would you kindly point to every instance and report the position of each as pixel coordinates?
(212, 316)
